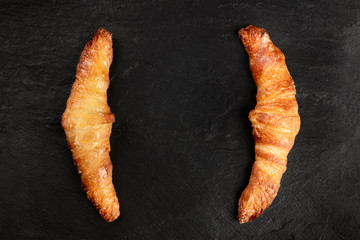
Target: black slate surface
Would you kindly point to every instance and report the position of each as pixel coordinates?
(181, 90)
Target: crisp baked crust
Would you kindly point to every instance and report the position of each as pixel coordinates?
(275, 121)
(87, 122)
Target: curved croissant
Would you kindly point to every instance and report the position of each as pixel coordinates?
(87, 122)
(275, 121)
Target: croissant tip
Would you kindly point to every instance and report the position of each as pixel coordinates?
(252, 28)
(242, 219)
(112, 217)
(245, 216)
(109, 220)
(103, 30)
(103, 33)
(252, 37)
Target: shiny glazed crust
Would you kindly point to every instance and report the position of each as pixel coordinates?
(87, 122)
(275, 121)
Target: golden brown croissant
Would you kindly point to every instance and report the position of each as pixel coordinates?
(87, 122)
(275, 121)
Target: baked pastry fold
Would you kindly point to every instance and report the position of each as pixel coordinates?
(87, 122)
(275, 121)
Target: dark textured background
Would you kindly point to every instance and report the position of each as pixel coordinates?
(181, 91)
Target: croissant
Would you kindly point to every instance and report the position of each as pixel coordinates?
(275, 121)
(87, 122)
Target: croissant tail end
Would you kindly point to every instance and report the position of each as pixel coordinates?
(251, 31)
(248, 210)
(243, 218)
(111, 218)
(252, 37)
(111, 215)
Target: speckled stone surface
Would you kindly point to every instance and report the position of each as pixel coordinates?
(181, 90)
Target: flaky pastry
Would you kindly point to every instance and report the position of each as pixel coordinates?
(275, 121)
(87, 122)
